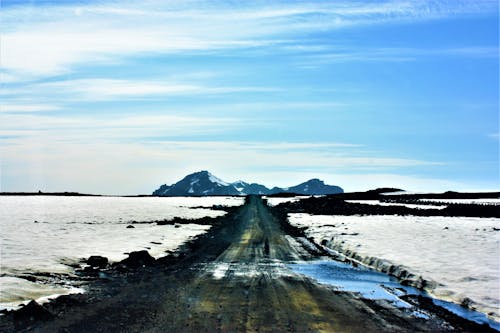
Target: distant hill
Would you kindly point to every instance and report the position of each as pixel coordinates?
(203, 183)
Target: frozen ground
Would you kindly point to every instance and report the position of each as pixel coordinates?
(41, 233)
(459, 254)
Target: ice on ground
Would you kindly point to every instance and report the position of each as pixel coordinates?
(459, 253)
(380, 203)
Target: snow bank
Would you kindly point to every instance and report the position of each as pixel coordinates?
(453, 258)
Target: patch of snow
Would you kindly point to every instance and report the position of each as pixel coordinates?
(216, 180)
(274, 201)
(377, 202)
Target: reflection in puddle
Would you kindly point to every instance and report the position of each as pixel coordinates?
(370, 284)
(378, 286)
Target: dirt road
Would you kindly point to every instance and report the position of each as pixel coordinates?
(233, 279)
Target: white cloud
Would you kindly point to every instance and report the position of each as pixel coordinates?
(7, 107)
(59, 44)
(10, 78)
(51, 129)
(99, 89)
(78, 147)
(394, 54)
(59, 37)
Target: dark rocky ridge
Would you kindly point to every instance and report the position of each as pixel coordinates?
(336, 205)
(203, 183)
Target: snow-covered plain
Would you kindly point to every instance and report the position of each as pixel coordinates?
(458, 256)
(41, 233)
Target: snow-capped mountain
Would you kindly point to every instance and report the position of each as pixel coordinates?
(315, 186)
(203, 183)
(196, 184)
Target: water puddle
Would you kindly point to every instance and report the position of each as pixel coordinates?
(375, 285)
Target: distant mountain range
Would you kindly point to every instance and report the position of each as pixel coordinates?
(203, 183)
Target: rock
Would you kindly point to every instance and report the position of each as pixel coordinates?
(97, 261)
(138, 258)
(29, 278)
(31, 312)
(130, 226)
(466, 302)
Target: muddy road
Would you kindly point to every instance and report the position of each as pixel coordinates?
(235, 278)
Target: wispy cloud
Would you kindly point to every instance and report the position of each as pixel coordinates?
(7, 107)
(45, 128)
(102, 89)
(392, 54)
(495, 136)
(107, 88)
(292, 155)
(95, 89)
(65, 35)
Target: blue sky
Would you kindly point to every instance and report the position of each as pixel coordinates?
(118, 97)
